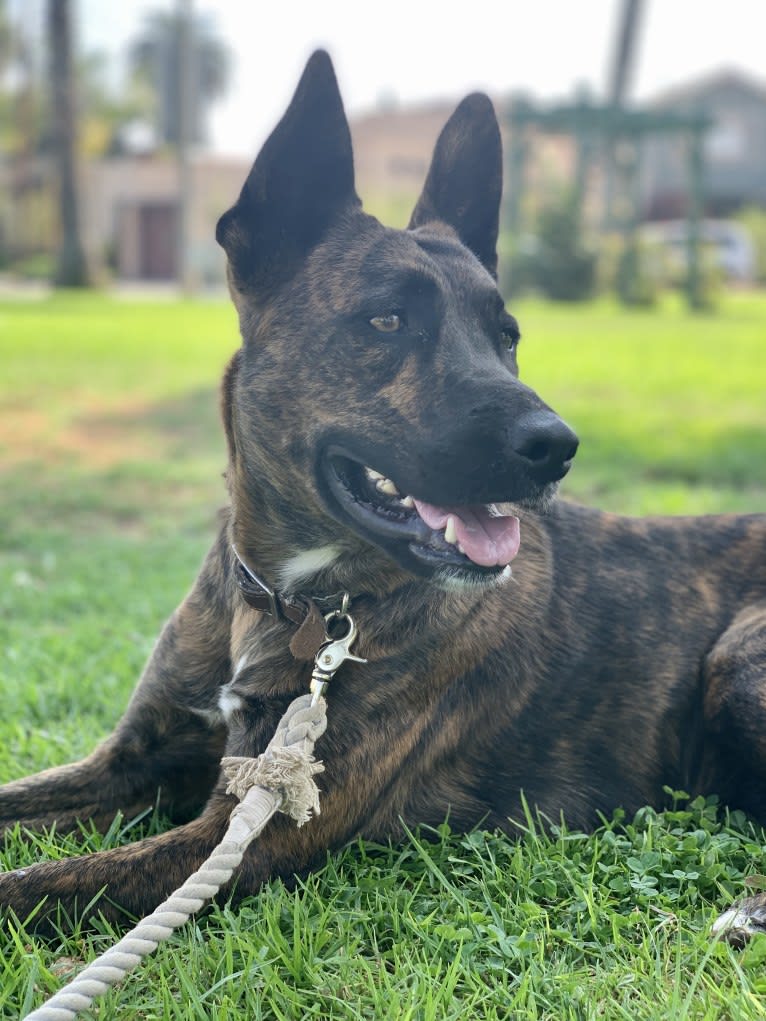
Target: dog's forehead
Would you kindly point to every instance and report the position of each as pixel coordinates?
(434, 256)
(384, 259)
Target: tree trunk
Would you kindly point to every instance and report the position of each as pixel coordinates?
(71, 269)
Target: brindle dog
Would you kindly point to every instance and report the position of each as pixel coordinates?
(377, 429)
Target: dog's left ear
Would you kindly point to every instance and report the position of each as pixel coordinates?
(301, 182)
(465, 181)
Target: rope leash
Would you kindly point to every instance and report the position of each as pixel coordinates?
(281, 779)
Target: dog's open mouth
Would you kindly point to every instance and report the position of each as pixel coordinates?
(477, 538)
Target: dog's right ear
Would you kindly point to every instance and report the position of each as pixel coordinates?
(301, 181)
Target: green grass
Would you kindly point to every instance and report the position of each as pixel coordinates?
(669, 407)
(110, 463)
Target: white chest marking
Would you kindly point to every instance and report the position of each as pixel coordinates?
(306, 563)
(241, 664)
(228, 701)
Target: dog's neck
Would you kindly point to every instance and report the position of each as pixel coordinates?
(281, 605)
(308, 615)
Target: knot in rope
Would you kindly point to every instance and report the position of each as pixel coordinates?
(287, 767)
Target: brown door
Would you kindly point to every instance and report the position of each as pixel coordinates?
(157, 234)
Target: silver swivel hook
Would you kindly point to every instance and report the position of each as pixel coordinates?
(333, 652)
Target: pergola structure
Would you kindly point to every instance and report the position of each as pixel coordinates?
(622, 132)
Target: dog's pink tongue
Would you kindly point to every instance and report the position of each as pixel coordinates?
(487, 540)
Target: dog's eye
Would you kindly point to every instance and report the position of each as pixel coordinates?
(511, 340)
(511, 335)
(390, 323)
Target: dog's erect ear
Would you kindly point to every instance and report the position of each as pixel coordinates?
(465, 181)
(300, 182)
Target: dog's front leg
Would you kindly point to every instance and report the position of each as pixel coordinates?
(120, 883)
(169, 742)
(131, 881)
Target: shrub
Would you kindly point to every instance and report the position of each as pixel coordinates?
(556, 260)
(638, 274)
(754, 220)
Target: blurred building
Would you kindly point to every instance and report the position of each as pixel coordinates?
(393, 148)
(132, 214)
(735, 148)
(131, 210)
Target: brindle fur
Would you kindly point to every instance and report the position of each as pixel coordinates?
(622, 655)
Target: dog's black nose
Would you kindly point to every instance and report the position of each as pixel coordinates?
(546, 443)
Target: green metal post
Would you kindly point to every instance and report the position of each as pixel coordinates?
(694, 215)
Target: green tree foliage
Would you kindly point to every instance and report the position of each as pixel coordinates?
(155, 58)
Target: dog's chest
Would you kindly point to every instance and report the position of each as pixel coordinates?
(262, 667)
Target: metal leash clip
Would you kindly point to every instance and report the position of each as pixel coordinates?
(333, 653)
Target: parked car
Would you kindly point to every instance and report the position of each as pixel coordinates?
(727, 244)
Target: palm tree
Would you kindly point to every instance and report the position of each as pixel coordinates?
(72, 268)
(155, 57)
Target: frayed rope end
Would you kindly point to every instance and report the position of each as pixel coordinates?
(285, 771)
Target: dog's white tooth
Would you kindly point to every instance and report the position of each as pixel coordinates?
(387, 486)
(450, 531)
(372, 475)
(460, 548)
(407, 501)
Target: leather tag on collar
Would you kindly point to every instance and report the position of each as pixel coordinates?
(301, 610)
(311, 634)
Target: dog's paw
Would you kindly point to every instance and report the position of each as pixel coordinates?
(744, 919)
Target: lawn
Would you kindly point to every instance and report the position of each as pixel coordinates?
(110, 472)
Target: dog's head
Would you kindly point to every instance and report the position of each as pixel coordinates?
(375, 405)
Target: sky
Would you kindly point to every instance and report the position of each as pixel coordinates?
(415, 50)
